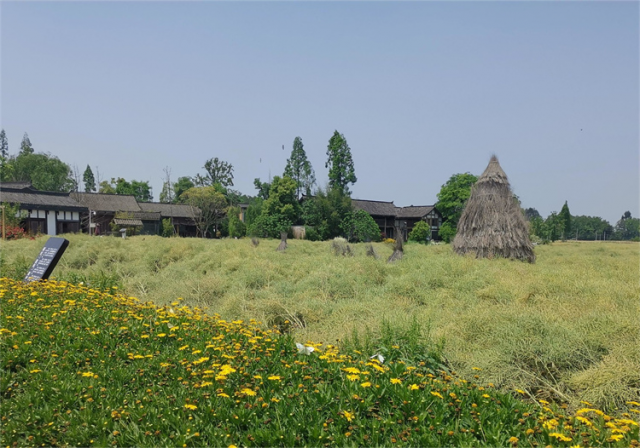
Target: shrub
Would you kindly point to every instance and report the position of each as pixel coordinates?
(311, 234)
(420, 233)
(167, 228)
(14, 233)
(360, 226)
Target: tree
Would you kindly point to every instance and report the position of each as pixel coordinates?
(262, 187)
(451, 201)
(26, 147)
(589, 227)
(218, 172)
(44, 171)
(167, 195)
(237, 228)
(183, 184)
(208, 206)
(89, 180)
(299, 169)
(340, 164)
(139, 189)
(359, 226)
(106, 188)
(4, 145)
(531, 213)
(565, 221)
(627, 228)
(326, 211)
(553, 227)
(282, 199)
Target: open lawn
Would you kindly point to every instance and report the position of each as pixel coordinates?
(564, 329)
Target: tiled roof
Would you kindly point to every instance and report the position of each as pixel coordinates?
(168, 210)
(101, 202)
(375, 208)
(41, 200)
(414, 211)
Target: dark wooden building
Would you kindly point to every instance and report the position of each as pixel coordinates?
(181, 216)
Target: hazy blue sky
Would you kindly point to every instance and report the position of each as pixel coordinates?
(421, 90)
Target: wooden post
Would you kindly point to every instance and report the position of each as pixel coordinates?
(4, 230)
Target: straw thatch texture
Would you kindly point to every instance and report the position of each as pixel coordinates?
(492, 224)
(398, 250)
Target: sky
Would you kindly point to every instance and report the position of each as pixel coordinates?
(420, 90)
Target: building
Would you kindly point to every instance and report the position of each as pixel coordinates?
(45, 212)
(388, 217)
(181, 216)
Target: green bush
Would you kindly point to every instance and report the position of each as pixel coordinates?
(237, 228)
(269, 226)
(167, 228)
(447, 232)
(420, 233)
(311, 234)
(359, 226)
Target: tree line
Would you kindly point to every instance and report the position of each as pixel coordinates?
(557, 226)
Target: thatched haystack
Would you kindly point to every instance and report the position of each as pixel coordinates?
(398, 250)
(492, 224)
(283, 241)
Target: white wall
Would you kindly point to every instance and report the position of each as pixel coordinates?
(51, 223)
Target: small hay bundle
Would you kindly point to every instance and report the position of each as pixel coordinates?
(283, 241)
(398, 250)
(492, 224)
(255, 241)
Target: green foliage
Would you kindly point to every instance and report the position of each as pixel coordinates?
(4, 145)
(208, 207)
(326, 211)
(588, 227)
(253, 211)
(565, 221)
(420, 233)
(263, 188)
(531, 213)
(217, 172)
(182, 185)
(627, 228)
(167, 194)
(106, 188)
(452, 198)
(89, 180)
(44, 171)
(237, 228)
(299, 169)
(282, 200)
(140, 190)
(552, 228)
(25, 146)
(359, 226)
(447, 231)
(269, 226)
(311, 234)
(340, 164)
(13, 216)
(167, 228)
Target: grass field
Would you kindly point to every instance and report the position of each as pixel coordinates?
(564, 329)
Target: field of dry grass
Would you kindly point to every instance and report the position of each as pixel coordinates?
(565, 328)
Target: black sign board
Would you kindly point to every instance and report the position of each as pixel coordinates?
(47, 260)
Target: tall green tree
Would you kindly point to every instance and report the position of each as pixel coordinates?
(106, 188)
(282, 199)
(4, 145)
(340, 164)
(262, 187)
(452, 198)
(627, 228)
(565, 220)
(208, 207)
(531, 213)
(217, 172)
(26, 147)
(44, 171)
(142, 191)
(326, 211)
(589, 227)
(89, 180)
(183, 184)
(299, 169)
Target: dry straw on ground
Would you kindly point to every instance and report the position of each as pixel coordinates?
(492, 224)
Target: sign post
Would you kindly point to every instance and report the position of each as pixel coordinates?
(47, 260)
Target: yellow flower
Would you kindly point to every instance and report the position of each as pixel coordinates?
(222, 394)
(366, 384)
(274, 378)
(414, 387)
(436, 394)
(191, 407)
(485, 396)
(396, 381)
(351, 370)
(513, 440)
(248, 392)
(348, 415)
(617, 437)
(561, 437)
(520, 391)
(353, 377)
(633, 403)
(161, 335)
